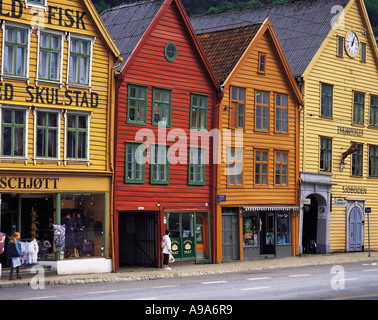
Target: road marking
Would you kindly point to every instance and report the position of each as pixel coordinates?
(299, 275)
(164, 287)
(101, 292)
(256, 288)
(368, 270)
(39, 298)
(213, 282)
(262, 278)
(350, 279)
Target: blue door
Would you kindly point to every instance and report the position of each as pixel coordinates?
(355, 230)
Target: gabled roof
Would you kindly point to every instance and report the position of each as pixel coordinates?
(130, 25)
(301, 26)
(128, 22)
(228, 49)
(225, 48)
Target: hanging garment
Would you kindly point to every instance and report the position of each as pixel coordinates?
(2, 242)
(59, 236)
(34, 249)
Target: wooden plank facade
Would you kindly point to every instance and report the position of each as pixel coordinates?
(57, 110)
(258, 178)
(174, 192)
(340, 91)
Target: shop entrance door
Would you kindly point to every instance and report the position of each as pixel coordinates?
(267, 233)
(355, 230)
(230, 234)
(137, 239)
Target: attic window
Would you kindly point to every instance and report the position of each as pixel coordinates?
(170, 52)
(262, 63)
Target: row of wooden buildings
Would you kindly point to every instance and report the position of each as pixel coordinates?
(248, 134)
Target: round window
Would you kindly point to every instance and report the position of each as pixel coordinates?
(170, 51)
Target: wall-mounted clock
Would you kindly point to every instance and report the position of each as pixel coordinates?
(352, 44)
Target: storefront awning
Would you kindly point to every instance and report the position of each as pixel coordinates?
(267, 208)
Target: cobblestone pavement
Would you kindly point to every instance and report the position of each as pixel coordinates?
(141, 273)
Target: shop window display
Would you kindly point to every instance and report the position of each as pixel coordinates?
(283, 228)
(82, 216)
(251, 223)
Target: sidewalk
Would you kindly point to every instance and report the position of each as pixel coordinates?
(143, 273)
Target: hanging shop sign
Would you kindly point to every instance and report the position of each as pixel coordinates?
(55, 15)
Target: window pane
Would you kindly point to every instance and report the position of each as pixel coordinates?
(52, 138)
(18, 142)
(74, 65)
(7, 141)
(84, 70)
(41, 143)
(9, 59)
(43, 64)
(22, 36)
(20, 61)
(82, 149)
(71, 144)
(19, 117)
(54, 66)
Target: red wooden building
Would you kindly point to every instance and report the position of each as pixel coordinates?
(167, 98)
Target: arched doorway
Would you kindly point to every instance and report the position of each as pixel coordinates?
(316, 224)
(355, 228)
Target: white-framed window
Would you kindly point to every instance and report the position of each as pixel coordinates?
(80, 52)
(47, 134)
(50, 56)
(16, 50)
(14, 133)
(77, 136)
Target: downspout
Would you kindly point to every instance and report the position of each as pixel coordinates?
(112, 132)
(217, 97)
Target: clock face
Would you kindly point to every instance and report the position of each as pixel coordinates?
(352, 44)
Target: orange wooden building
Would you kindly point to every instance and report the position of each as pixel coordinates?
(258, 178)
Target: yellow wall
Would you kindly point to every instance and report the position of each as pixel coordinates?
(347, 75)
(57, 17)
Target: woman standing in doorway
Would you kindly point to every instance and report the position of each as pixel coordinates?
(166, 250)
(15, 254)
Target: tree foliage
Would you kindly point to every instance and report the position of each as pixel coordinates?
(212, 6)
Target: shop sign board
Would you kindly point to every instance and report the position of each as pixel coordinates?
(340, 202)
(176, 247)
(188, 244)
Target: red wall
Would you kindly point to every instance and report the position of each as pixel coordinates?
(186, 75)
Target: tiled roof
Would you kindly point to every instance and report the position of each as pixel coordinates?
(128, 22)
(301, 26)
(225, 48)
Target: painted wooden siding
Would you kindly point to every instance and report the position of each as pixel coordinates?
(347, 75)
(184, 76)
(101, 72)
(274, 81)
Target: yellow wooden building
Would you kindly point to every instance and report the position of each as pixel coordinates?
(57, 112)
(258, 172)
(339, 135)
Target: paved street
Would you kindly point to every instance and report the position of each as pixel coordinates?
(349, 280)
